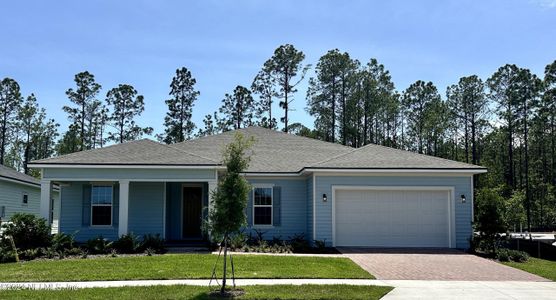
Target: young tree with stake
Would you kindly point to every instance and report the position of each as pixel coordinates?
(230, 198)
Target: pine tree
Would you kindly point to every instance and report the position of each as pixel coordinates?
(126, 105)
(10, 100)
(179, 126)
(417, 99)
(284, 67)
(238, 108)
(84, 98)
(263, 85)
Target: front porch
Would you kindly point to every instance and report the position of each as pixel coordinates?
(173, 208)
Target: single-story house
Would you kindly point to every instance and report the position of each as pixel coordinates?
(372, 196)
(21, 193)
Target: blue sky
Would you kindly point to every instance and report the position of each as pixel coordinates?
(224, 43)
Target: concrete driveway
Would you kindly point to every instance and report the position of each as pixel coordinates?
(433, 264)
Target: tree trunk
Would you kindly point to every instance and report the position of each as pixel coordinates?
(510, 178)
(527, 192)
(286, 89)
(344, 122)
(82, 124)
(333, 110)
(223, 288)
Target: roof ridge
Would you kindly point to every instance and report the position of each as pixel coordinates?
(186, 152)
(280, 132)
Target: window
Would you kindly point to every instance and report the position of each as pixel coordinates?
(101, 205)
(25, 199)
(262, 206)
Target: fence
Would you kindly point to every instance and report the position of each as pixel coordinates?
(534, 248)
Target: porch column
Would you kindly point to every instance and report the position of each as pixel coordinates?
(46, 191)
(124, 207)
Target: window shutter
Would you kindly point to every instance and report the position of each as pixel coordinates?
(249, 208)
(86, 215)
(276, 205)
(115, 205)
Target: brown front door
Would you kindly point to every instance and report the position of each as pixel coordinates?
(192, 211)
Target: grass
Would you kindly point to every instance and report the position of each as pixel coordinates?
(179, 266)
(541, 267)
(197, 292)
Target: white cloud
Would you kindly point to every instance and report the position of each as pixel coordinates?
(545, 3)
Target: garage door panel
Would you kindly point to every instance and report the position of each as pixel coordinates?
(391, 218)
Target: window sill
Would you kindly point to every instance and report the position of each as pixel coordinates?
(262, 226)
(102, 227)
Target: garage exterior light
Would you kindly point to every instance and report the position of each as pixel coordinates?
(463, 198)
(324, 198)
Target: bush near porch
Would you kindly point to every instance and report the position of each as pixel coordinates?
(255, 242)
(28, 237)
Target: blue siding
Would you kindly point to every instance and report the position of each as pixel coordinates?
(146, 208)
(309, 234)
(71, 215)
(462, 185)
(11, 197)
(293, 208)
(133, 174)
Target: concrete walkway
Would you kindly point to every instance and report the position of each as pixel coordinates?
(404, 289)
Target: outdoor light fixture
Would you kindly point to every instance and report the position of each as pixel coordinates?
(324, 198)
(463, 198)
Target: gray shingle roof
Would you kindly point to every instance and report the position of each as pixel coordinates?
(273, 152)
(12, 174)
(140, 152)
(380, 157)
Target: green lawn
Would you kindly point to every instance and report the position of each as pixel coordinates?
(541, 267)
(196, 292)
(179, 266)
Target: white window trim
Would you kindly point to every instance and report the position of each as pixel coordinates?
(23, 194)
(264, 186)
(111, 205)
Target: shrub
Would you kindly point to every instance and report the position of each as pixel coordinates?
(62, 242)
(149, 251)
(489, 221)
(299, 243)
(519, 256)
(127, 243)
(30, 254)
(238, 240)
(7, 254)
(28, 231)
(98, 245)
(113, 253)
(503, 255)
(153, 242)
(75, 251)
(320, 244)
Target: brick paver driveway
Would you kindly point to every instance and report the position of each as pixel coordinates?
(433, 264)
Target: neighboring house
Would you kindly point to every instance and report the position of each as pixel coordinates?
(21, 193)
(370, 196)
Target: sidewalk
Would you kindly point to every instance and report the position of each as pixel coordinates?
(404, 289)
(198, 282)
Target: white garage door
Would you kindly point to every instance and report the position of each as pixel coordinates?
(392, 218)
